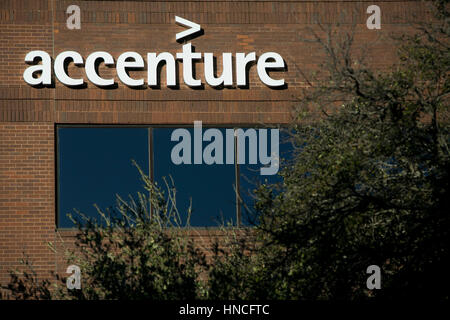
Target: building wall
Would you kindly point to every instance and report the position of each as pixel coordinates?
(28, 115)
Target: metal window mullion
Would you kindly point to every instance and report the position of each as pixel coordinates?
(237, 182)
(150, 166)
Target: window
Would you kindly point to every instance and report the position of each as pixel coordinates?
(94, 164)
(250, 178)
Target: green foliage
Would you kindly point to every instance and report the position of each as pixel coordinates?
(25, 284)
(244, 270)
(370, 182)
(132, 253)
(137, 255)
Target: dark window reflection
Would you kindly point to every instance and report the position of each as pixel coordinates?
(250, 177)
(209, 186)
(95, 164)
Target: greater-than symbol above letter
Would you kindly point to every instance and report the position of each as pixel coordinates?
(74, 20)
(194, 28)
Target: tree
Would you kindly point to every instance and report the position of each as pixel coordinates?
(139, 253)
(131, 253)
(25, 284)
(369, 184)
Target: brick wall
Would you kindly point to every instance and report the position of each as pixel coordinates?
(28, 115)
(27, 202)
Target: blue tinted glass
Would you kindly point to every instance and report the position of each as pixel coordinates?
(250, 177)
(209, 186)
(95, 164)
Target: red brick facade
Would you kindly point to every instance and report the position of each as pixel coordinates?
(28, 115)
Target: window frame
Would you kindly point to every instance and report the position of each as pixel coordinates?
(151, 150)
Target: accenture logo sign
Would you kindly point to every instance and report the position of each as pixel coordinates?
(41, 73)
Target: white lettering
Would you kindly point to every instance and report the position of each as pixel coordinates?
(187, 56)
(91, 71)
(60, 72)
(45, 68)
(123, 63)
(132, 59)
(153, 62)
(263, 64)
(227, 74)
(241, 67)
